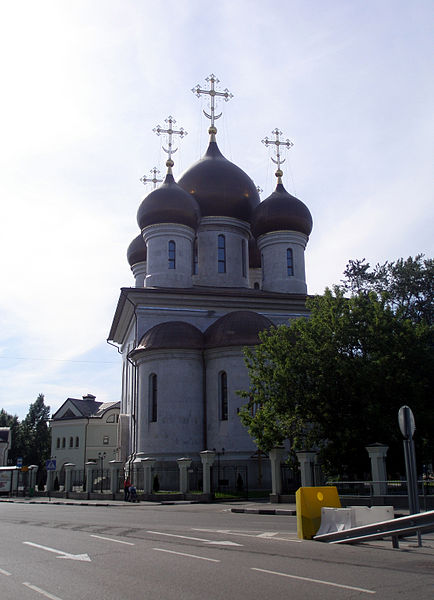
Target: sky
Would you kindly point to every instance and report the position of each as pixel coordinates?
(349, 82)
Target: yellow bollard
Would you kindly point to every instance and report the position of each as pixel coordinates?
(308, 503)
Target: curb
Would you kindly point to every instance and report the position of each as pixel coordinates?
(265, 511)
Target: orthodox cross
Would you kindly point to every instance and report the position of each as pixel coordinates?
(278, 142)
(170, 132)
(153, 179)
(212, 92)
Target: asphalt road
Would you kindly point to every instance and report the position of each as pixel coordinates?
(193, 552)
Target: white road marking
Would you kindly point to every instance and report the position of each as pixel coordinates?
(195, 539)
(339, 585)
(40, 591)
(82, 557)
(3, 572)
(101, 537)
(184, 554)
(253, 535)
(267, 534)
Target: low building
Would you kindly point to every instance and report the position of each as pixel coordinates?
(5, 444)
(84, 430)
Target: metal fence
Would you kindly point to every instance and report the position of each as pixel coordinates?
(390, 488)
(230, 479)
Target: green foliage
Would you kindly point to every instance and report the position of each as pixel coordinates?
(336, 381)
(31, 439)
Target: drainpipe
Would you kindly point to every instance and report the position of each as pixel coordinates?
(205, 416)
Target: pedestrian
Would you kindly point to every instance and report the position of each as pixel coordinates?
(133, 494)
(127, 485)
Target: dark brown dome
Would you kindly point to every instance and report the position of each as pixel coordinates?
(280, 212)
(168, 204)
(136, 251)
(238, 328)
(171, 335)
(220, 187)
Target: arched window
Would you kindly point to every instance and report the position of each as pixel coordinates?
(71, 442)
(223, 396)
(63, 442)
(221, 254)
(153, 401)
(58, 443)
(77, 442)
(195, 257)
(243, 258)
(110, 419)
(256, 285)
(172, 255)
(289, 262)
(262, 267)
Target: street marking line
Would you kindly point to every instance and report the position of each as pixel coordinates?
(185, 554)
(41, 591)
(267, 534)
(195, 539)
(101, 537)
(252, 535)
(339, 585)
(3, 572)
(61, 553)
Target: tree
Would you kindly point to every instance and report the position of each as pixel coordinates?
(406, 285)
(35, 433)
(336, 381)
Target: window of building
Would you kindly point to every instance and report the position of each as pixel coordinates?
(221, 254)
(289, 262)
(195, 257)
(172, 255)
(106, 440)
(77, 442)
(262, 267)
(256, 285)
(58, 443)
(223, 396)
(71, 442)
(63, 442)
(153, 397)
(244, 258)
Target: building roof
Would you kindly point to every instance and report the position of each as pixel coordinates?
(136, 251)
(87, 407)
(238, 328)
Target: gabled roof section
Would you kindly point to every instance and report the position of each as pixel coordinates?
(75, 408)
(104, 407)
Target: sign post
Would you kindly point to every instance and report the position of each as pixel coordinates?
(408, 427)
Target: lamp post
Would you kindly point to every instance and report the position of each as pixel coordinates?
(101, 457)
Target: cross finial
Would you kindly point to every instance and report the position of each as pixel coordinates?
(278, 142)
(170, 132)
(212, 93)
(153, 179)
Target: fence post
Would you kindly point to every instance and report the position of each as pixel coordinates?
(32, 479)
(90, 467)
(147, 464)
(207, 457)
(276, 455)
(115, 467)
(307, 462)
(68, 477)
(377, 454)
(183, 464)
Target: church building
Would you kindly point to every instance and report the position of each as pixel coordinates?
(213, 267)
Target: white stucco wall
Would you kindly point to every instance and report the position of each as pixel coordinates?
(273, 247)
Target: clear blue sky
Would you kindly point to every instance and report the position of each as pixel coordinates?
(84, 83)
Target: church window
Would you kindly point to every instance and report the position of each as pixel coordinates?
(106, 440)
(63, 442)
(152, 397)
(289, 262)
(221, 256)
(243, 257)
(110, 419)
(71, 442)
(195, 257)
(77, 442)
(256, 285)
(223, 396)
(58, 443)
(262, 267)
(172, 255)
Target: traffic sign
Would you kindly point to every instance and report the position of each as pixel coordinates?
(406, 422)
(50, 464)
(19, 462)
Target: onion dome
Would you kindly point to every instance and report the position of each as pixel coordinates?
(168, 204)
(254, 254)
(220, 187)
(170, 335)
(136, 251)
(238, 328)
(281, 212)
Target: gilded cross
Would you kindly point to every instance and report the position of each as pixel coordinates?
(170, 132)
(212, 93)
(153, 179)
(278, 142)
